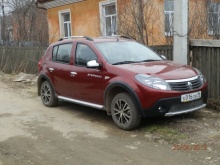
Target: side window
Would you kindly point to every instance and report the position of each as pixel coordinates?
(84, 54)
(55, 52)
(61, 53)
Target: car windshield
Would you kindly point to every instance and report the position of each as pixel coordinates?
(126, 52)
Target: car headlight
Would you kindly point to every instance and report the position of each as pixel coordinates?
(202, 78)
(152, 82)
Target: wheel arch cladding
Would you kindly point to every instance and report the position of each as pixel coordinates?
(119, 87)
(40, 81)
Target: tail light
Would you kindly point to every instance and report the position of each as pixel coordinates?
(40, 64)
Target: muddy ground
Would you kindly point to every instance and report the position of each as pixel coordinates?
(31, 133)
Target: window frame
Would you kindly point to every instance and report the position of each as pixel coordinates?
(170, 14)
(75, 57)
(58, 47)
(103, 16)
(62, 22)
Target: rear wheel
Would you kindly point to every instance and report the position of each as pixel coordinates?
(124, 112)
(47, 95)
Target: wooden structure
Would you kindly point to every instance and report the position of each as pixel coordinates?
(206, 57)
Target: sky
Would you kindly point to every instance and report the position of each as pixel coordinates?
(6, 7)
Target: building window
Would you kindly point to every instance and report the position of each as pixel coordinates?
(214, 18)
(169, 15)
(65, 23)
(108, 15)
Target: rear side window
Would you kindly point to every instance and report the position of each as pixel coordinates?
(61, 53)
(84, 54)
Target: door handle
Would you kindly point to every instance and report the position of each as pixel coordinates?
(73, 74)
(51, 69)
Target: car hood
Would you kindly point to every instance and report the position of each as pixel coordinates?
(166, 70)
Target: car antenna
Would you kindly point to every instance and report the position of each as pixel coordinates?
(117, 37)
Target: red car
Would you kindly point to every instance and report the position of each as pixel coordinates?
(126, 79)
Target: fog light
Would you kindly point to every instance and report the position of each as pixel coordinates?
(161, 109)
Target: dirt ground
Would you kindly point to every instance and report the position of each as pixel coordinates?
(31, 133)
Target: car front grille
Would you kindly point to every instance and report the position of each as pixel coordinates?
(185, 85)
(184, 106)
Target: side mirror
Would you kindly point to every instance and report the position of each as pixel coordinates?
(93, 64)
(163, 57)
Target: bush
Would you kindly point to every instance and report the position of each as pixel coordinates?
(214, 104)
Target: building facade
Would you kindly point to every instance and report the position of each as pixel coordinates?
(148, 21)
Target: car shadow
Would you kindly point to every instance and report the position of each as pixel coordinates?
(101, 117)
(88, 113)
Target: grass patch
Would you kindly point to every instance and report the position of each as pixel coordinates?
(165, 133)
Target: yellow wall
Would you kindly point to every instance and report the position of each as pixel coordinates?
(85, 20)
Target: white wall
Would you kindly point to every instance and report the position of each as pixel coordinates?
(180, 52)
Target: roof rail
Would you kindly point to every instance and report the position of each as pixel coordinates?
(117, 36)
(127, 37)
(121, 36)
(86, 37)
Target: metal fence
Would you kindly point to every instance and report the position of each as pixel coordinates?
(206, 57)
(20, 59)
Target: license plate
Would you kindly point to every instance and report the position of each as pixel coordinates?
(191, 96)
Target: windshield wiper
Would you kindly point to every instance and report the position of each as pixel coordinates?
(129, 62)
(124, 62)
(149, 60)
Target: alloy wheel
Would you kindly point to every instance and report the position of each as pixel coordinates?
(46, 94)
(122, 111)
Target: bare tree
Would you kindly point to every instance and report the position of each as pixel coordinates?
(3, 26)
(145, 21)
(204, 20)
(138, 19)
(28, 22)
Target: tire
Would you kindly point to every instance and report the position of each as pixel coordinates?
(124, 112)
(47, 95)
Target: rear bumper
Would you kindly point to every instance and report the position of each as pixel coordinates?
(174, 106)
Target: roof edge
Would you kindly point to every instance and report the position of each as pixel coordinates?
(48, 4)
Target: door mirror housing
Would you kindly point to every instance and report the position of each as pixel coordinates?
(93, 64)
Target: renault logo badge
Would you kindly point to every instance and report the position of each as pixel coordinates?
(189, 85)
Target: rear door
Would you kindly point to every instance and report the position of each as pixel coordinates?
(59, 69)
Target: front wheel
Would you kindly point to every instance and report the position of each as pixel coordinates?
(124, 112)
(47, 95)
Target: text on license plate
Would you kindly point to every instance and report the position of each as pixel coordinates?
(191, 96)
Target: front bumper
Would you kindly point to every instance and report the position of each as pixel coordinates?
(174, 106)
(185, 111)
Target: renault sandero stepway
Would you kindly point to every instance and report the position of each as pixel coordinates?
(121, 76)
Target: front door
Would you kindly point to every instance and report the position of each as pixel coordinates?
(87, 82)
